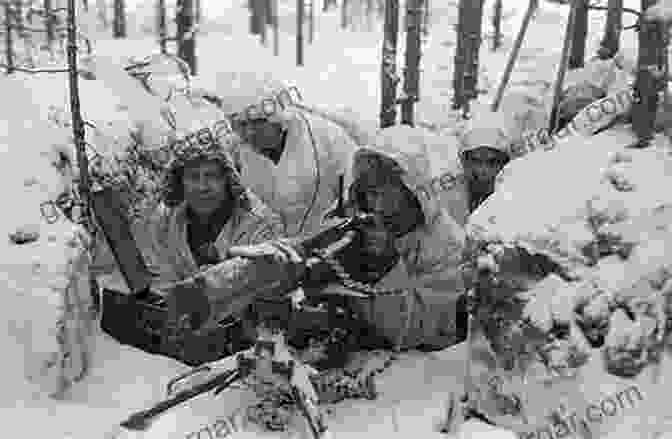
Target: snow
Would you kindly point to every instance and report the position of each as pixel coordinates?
(122, 379)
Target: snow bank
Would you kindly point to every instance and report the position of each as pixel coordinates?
(50, 339)
(48, 309)
(571, 263)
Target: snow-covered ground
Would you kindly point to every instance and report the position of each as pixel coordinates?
(341, 70)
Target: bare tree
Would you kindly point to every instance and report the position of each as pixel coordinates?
(578, 52)
(50, 22)
(276, 27)
(497, 25)
(119, 21)
(389, 77)
(469, 29)
(300, 9)
(651, 66)
(186, 30)
(311, 22)
(414, 13)
(262, 12)
(9, 40)
(161, 25)
(611, 42)
(101, 7)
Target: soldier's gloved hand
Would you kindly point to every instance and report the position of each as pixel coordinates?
(280, 251)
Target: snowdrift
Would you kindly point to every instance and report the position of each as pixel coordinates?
(52, 343)
(570, 265)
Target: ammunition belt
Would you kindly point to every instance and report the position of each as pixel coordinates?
(355, 285)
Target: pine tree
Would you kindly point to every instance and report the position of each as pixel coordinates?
(300, 9)
(578, 53)
(161, 25)
(651, 62)
(9, 40)
(497, 25)
(186, 33)
(119, 22)
(414, 13)
(611, 42)
(470, 19)
(389, 78)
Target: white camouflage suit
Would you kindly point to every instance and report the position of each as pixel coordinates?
(427, 273)
(305, 181)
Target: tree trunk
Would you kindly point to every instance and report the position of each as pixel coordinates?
(611, 42)
(578, 53)
(389, 78)
(276, 28)
(263, 20)
(9, 43)
(344, 14)
(562, 69)
(19, 25)
(414, 12)
(186, 38)
(270, 12)
(101, 8)
(119, 23)
(497, 25)
(255, 21)
(50, 23)
(300, 9)
(651, 63)
(311, 24)
(161, 25)
(466, 59)
(513, 55)
(458, 71)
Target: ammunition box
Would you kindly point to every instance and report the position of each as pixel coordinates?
(142, 324)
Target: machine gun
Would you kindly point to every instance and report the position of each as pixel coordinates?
(268, 363)
(235, 283)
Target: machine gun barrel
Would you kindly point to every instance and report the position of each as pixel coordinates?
(140, 421)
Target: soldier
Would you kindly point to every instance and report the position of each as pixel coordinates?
(416, 244)
(204, 210)
(484, 150)
(291, 157)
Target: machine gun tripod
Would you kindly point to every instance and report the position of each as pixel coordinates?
(462, 408)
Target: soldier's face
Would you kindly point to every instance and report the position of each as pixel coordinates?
(205, 186)
(482, 165)
(394, 207)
